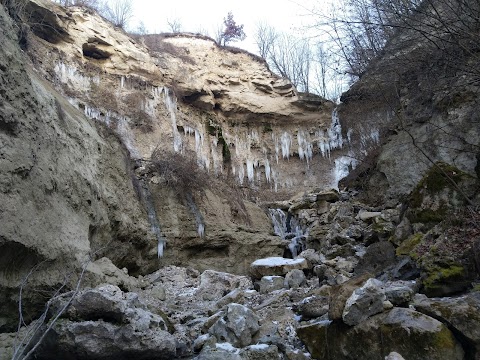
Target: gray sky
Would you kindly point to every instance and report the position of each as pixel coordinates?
(207, 15)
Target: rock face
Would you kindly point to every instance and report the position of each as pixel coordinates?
(50, 210)
(184, 93)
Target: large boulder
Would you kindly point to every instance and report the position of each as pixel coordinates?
(460, 313)
(236, 325)
(276, 266)
(312, 307)
(215, 284)
(106, 323)
(104, 340)
(364, 302)
(412, 334)
(340, 293)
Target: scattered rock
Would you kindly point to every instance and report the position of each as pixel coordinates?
(214, 284)
(260, 352)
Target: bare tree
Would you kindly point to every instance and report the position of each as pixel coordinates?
(119, 12)
(265, 37)
(174, 25)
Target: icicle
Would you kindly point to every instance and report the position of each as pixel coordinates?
(268, 171)
(171, 105)
(196, 213)
(122, 82)
(286, 141)
(250, 170)
(241, 174)
(343, 164)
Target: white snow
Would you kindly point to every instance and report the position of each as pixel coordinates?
(277, 261)
(228, 347)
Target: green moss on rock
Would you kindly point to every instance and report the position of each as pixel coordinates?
(407, 247)
(444, 279)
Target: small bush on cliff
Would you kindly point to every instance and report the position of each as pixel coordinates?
(181, 173)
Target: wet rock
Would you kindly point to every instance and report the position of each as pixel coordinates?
(416, 335)
(460, 313)
(364, 302)
(276, 266)
(267, 284)
(237, 325)
(294, 279)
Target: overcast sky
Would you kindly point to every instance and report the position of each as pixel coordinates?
(207, 15)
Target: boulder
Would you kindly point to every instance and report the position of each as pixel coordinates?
(340, 293)
(368, 215)
(260, 352)
(276, 266)
(364, 302)
(394, 356)
(377, 258)
(236, 325)
(415, 335)
(460, 313)
(104, 340)
(220, 351)
(400, 292)
(215, 284)
(312, 307)
(267, 284)
(294, 279)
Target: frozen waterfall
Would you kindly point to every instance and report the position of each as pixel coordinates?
(288, 227)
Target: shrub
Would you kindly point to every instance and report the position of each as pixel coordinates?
(181, 173)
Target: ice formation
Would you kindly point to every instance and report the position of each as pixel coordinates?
(288, 228)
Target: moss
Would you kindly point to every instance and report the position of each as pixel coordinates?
(427, 215)
(444, 339)
(435, 180)
(407, 247)
(476, 287)
(438, 276)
